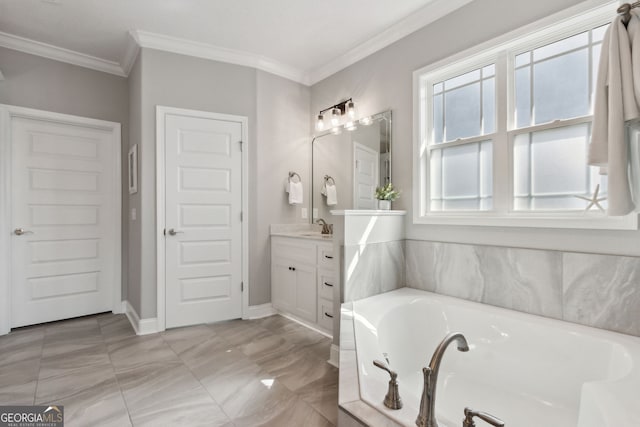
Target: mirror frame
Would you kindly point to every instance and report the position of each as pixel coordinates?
(383, 115)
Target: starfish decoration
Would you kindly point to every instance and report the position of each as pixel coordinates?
(594, 200)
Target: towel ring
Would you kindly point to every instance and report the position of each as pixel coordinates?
(292, 174)
(327, 178)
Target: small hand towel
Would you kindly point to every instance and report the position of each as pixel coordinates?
(332, 195)
(295, 193)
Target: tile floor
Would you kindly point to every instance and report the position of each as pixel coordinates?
(267, 372)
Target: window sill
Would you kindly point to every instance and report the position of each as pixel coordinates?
(529, 220)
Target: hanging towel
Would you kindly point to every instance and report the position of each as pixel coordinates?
(617, 100)
(295, 193)
(332, 194)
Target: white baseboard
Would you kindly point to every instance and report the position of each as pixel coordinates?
(334, 356)
(259, 311)
(141, 326)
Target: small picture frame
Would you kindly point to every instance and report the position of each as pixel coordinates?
(133, 169)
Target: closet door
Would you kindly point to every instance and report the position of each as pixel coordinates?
(64, 235)
(203, 220)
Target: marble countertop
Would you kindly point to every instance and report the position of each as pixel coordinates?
(308, 235)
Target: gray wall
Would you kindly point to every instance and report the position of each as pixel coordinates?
(278, 113)
(132, 244)
(283, 145)
(40, 83)
(384, 80)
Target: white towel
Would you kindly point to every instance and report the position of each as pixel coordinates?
(617, 100)
(332, 194)
(295, 193)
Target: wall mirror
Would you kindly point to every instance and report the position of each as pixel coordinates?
(354, 161)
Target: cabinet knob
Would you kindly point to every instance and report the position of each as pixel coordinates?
(292, 269)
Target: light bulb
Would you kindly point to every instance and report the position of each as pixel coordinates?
(335, 117)
(366, 121)
(320, 122)
(336, 131)
(350, 126)
(351, 110)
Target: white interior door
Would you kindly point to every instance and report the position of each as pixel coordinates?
(203, 208)
(365, 176)
(65, 237)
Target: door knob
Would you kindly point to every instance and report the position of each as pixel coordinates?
(21, 231)
(173, 232)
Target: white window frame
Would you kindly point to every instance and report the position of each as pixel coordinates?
(502, 52)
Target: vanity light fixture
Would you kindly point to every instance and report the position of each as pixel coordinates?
(351, 110)
(335, 116)
(337, 111)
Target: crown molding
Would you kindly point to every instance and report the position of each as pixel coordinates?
(143, 39)
(423, 17)
(45, 50)
(130, 54)
(181, 46)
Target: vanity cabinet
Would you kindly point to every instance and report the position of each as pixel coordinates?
(302, 280)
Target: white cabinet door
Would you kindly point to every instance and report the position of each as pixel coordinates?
(283, 285)
(306, 292)
(63, 250)
(203, 242)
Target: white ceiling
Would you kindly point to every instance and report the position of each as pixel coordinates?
(303, 35)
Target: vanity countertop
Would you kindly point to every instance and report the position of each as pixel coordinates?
(308, 235)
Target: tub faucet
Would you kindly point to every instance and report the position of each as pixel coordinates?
(326, 228)
(427, 415)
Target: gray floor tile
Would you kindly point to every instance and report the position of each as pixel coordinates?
(267, 372)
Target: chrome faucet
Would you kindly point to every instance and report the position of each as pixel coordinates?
(427, 415)
(326, 228)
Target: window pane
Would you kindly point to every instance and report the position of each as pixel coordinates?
(438, 119)
(461, 177)
(523, 97)
(561, 46)
(523, 59)
(460, 168)
(550, 169)
(489, 105)
(594, 68)
(462, 112)
(461, 80)
(597, 34)
(488, 71)
(561, 87)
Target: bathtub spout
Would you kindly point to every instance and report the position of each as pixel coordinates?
(427, 415)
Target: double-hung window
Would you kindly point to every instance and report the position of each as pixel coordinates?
(502, 133)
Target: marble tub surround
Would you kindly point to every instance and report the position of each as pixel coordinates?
(370, 248)
(353, 411)
(373, 268)
(266, 372)
(594, 290)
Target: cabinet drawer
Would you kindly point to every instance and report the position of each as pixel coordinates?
(293, 249)
(325, 256)
(325, 314)
(326, 283)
